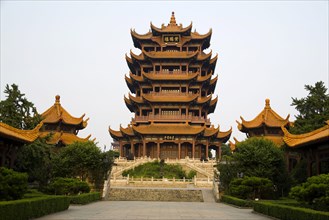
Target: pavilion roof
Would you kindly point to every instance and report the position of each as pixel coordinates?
(299, 140)
(24, 136)
(167, 76)
(65, 138)
(57, 113)
(169, 55)
(266, 117)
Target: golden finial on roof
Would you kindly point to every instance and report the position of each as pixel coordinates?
(173, 19)
(57, 97)
(267, 103)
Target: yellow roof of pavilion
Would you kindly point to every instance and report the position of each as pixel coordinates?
(171, 27)
(299, 140)
(170, 55)
(57, 113)
(170, 129)
(167, 76)
(267, 117)
(65, 138)
(25, 136)
(233, 145)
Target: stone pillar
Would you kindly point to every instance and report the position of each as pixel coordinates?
(193, 149)
(158, 149)
(121, 149)
(132, 148)
(144, 148)
(207, 149)
(219, 152)
(179, 151)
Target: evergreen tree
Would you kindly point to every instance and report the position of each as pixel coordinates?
(313, 109)
(17, 111)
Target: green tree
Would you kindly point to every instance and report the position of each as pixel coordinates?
(83, 160)
(226, 150)
(36, 160)
(251, 188)
(257, 157)
(313, 109)
(13, 184)
(314, 192)
(17, 111)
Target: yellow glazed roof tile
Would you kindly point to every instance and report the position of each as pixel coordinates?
(268, 117)
(65, 138)
(298, 140)
(57, 113)
(25, 136)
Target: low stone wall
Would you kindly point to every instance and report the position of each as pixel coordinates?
(142, 194)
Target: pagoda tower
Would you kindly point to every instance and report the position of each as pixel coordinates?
(63, 126)
(266, 124)
(171, 83)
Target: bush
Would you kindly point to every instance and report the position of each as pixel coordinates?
(285, 212)
(13, 184)
(157, 170)
(67, 186)
(32, 207)
(251, 188)
(85, 198)
(314, 192)
(236, 201)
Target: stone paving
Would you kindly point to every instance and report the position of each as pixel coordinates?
(118, 210)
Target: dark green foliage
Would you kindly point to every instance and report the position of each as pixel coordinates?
(25, 209)
(251, 188)
(13, 184)
(67, 186)
(299, 173)
(228, 171)
(85, 198)
(83, 160)
(156, 170)
(17, 111)
(285, 212)
(35, 160)
(314, 192)
(236, 201)
(313, 109)
(226, 150)
(191, 174)
(257, 157)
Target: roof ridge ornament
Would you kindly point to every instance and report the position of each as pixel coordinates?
(173, 19)
(267, 103)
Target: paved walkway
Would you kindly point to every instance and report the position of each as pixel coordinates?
(155, 210)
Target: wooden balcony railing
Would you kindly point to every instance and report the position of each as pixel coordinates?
(195, 119)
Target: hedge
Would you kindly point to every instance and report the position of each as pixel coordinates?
(33, 207)
(286, 212)
(236, 201)
(85, 198)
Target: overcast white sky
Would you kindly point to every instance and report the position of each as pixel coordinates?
(266, 49)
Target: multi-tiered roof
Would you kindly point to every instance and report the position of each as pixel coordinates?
(62, 125)
(171, 86)
(266, 124)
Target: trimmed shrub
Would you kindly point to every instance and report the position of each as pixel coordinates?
(236, 201)
(314, 192)
(285, 212)
(33, 207)
(85, 198)
(13, 184)
(67, 186)
(251, 188)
